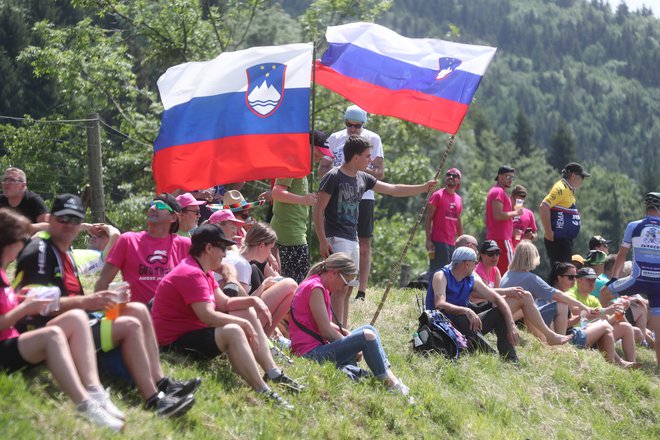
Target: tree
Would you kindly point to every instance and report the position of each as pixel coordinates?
(523, 134)
(562, 147)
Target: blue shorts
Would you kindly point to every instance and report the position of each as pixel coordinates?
(579, 337)
(548, 312)
(635, 285)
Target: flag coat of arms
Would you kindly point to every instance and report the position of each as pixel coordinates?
(241, 116)
(426, 81)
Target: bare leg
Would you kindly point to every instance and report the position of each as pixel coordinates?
(278, 298)
(263, 356)
(50, 344)
(140, 311)
(533, 316)
(365, 263)
(624, 331)
(79, 338)
(127, 333)
(561, 320)
(654, 324)
(231, 339)
(339, 301)
(601, 333)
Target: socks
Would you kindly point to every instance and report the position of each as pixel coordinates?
(274, 373)
(264, 390)
(84, 405)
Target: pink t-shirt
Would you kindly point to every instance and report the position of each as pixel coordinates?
(448, 208)
(145, 260)
(301, 342)
(172, 313)
(8, 302)
(526, 220)
(498, 230)
(488, 277)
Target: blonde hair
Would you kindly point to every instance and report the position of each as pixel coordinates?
(525, 258)
(259, 233)
(339, 261)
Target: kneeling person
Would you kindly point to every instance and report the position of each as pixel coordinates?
(450, 292)
(191, 314)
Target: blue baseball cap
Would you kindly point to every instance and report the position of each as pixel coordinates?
(355, 113)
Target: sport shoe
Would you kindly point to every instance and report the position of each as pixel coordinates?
(401, 388)
(103, 398)
(179, 388)
(169, 405)
(278, 353)
(286, 381)
(278, 400)
(360, 296)
(95, 413)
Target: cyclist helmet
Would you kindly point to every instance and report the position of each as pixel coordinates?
(652, 200)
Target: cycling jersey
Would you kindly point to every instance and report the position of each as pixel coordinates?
(564, 215)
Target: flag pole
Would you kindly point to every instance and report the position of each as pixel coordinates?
(312, 175)
(420, 215)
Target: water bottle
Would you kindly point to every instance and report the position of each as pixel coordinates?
(583, 319)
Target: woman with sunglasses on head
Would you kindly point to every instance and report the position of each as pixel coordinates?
(64, 344)
(192, 315)
(315, 336)
(258, 278)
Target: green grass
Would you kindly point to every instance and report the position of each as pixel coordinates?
(557, 392)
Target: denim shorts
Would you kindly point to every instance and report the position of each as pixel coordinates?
(579, 337)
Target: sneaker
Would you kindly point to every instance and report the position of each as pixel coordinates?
(277, 399)
(167, 405)
(360, 296)
(103, 399)
(401, 388)
(278, 354)
(286, 381)
(95, 413)
(179, 388)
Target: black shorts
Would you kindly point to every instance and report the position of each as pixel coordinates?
(365, 226)
(198, 343)
(10, 358)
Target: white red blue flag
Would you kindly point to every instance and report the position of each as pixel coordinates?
(241, 116)
(426, 81)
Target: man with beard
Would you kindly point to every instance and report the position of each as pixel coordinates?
(500, 214)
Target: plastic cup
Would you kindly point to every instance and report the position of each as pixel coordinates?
(121, 290)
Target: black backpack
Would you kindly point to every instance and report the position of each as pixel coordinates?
(437, 334)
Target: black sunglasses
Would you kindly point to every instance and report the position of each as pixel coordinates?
(68, 220)
(351, 125)
(570, 277)
(493, 253)
(453, 175)
(222, 246)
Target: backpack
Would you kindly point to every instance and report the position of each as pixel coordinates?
(437, 333)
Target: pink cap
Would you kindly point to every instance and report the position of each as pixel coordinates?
(187, 199)
(455, 171)
(325, 151)
(224, 215)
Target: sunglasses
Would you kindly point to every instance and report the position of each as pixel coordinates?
(493, 253)
(346, 283)
(453, 175)
(161, 206)
(11, 180)
(222, 246)
(68, 220)
(570, 277)
(509, 177)
(351, 125)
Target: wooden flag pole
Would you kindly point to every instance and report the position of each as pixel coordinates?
(420, 215)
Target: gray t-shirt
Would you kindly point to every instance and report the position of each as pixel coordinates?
(341, 214)
(540, 290)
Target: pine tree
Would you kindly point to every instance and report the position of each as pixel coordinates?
(562, 147)
(523, 133)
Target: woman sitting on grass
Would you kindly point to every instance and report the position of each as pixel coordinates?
(192, 315)
(65, 343)
(315, 336)
(258, 278)
(598, 332)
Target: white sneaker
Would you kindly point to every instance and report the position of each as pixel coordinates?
(401, 388)
(99, 416)
(103, 398)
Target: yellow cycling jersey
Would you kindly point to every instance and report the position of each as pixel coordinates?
(561, 195)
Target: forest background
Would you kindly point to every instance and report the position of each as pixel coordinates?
(571, 80)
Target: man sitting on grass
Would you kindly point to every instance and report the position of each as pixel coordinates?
(450, 292)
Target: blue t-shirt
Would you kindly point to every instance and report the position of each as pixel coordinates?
(540, 290)
(457, 293)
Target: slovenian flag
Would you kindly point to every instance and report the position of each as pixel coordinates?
(426, 81)
(242, 116)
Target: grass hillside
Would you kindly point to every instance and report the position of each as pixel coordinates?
(557, 392)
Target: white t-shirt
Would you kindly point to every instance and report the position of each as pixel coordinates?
(243, 267)
(336, 141)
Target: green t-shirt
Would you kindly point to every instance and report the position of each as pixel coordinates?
(589, 301)
(290, 220)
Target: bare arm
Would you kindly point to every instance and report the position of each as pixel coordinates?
(502, 306)
(560, 296)
(320, 314)
(544, 214)
(428, 224)
(318, 215)
(281, 194)
(403, 190)
(108, 273)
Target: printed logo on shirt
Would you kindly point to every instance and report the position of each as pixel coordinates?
(158, 257)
